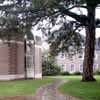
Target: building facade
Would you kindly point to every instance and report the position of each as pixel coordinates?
(75, 63)
(15, 63)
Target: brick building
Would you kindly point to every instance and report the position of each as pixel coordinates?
(13, 59)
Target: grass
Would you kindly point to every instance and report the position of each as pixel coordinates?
(82, 90)
(22, 87)
(76, 88)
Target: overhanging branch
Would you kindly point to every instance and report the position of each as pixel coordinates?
(77, 6)
(80, 18)
(97, 22)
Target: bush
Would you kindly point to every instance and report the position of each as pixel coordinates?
(49, 69)
(97, 72)
(48, 65)
(76, 73)
(65, 73)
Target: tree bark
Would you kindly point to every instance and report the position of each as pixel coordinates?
(89, 45)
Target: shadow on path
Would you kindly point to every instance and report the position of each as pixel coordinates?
(48, 92)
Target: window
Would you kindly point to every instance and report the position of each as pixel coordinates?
(29, 61)
(72, 67)
(94, 66)
(81, 56)
(29, 49)
(81, 68)
(62, 67)
(70, 57)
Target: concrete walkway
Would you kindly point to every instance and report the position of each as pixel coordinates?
(48, 92)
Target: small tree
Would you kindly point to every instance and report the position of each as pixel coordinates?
(48, 66)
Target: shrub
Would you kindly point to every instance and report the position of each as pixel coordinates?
(97, 72)
(65, 73)
(76, 73)
(49, 69)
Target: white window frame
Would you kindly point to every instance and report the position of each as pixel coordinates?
(71, 67)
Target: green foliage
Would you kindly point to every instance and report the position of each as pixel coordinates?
(45, 3)
(31, 12)
(76, 73)
(15, 19)
(97, 72)
(49, 67)
(65, 41)
(92, 2)
(65, 73)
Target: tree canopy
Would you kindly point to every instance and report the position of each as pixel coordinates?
(17, 18)
(20, 15)
(58, 11)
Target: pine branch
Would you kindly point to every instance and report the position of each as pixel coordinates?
(77, 6)
(97, 23)
(80, 18)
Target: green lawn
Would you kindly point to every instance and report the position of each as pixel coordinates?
(85, 91)
(82, 90)
(22, 87)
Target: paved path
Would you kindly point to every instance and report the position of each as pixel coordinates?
(48, 92)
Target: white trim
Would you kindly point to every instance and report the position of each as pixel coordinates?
(72, 70)
(19, 42)
(18, 76)
(12, 41)
(38, 46)
(96, 56)
(11, 77)
(4, 46)
(38, 76)
(80, 65)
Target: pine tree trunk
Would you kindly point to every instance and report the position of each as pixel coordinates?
(89, 46)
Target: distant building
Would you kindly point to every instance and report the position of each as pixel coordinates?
(13, 59)
(75, 63)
